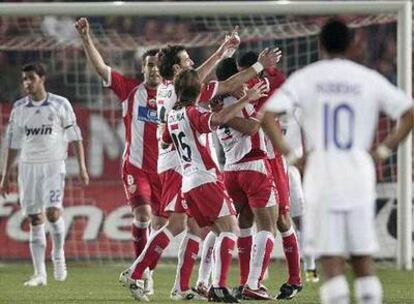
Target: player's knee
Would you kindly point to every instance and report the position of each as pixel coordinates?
(283, 222)
(177, 223)
(363, 266)
(142, 213)
(246, 218)
(36, 219)
(52, 214)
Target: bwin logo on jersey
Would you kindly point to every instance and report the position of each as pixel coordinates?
(43, 130)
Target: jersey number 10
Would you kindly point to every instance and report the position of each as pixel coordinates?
(339, 123)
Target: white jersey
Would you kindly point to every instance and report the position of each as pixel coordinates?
(237, 145)
(42, 129)
(290, 125)
(340, 102)
(186, 130)
(166, 99)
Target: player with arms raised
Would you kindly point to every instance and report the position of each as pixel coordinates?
(41, 125)
(139, 166)
(340, 102)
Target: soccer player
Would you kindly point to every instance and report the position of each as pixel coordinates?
(249, 182)
(202, 187)
(139, 111)
(340, 102)
(290, 127)
(288, 290)
(41, 125)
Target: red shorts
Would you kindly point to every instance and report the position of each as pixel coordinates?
(209, 202)
(282, 183)
(171, 196)
(142, 188)
(252, 185)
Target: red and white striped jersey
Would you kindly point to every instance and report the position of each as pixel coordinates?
(237, 146)
(140, 120)
(274, 79)
(186, 127)
(166, 99)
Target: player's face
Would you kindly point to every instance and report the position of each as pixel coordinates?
(32, 82)
(185, 61)
(151, 72)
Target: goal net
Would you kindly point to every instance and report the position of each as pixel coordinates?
(97, 217)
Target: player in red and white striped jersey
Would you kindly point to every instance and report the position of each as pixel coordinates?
(139, 165)
(249, 181)
(275, 79)
(203, 188)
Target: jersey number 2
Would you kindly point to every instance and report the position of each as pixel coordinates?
(339, 123)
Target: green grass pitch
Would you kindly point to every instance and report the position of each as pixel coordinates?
(96, 282)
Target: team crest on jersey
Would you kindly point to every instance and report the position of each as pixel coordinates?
(152, 103)
(132, 189)
(130, 180)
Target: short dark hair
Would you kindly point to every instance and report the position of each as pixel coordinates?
(247, 59)
(150, 52)
(335, 36)
(226, 68)
(167, 58)
(36, 67)
(187, 87)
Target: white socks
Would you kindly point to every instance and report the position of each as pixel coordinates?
(368, 290)
(204, 269)
(58, 239)
(37, 248)
(257, 256)
(335, 291)
(308, 260)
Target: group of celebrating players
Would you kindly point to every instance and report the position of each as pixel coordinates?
(172, 178)
(170, 169)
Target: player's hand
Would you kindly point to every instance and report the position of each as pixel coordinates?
(4, 187)
(82, 26)
(269, 57)
(84, 176)
(258, 91)
(231, 42)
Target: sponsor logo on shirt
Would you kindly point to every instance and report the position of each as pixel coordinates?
(147, 115)
(43, 130)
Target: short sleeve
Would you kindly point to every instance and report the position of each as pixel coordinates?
(14, 133)
(120, 85)
(208, 92)
(392, 100)
(286, 98)
(200, 121)
(72, 131)
(166, 136)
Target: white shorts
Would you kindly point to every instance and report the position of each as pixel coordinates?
(330, 232)
(296, 192)
(41, 185)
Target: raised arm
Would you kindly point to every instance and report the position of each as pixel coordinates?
(230, 42)
(247, 126)
(266, 59)
(82, 26)
(253, 94)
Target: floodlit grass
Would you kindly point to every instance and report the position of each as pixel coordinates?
(98, 283)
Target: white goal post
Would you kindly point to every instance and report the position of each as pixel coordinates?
(403, 10)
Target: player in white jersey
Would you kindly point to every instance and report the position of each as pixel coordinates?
(203, 188)
(340, 102)
(41, 125)
(290, 126)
